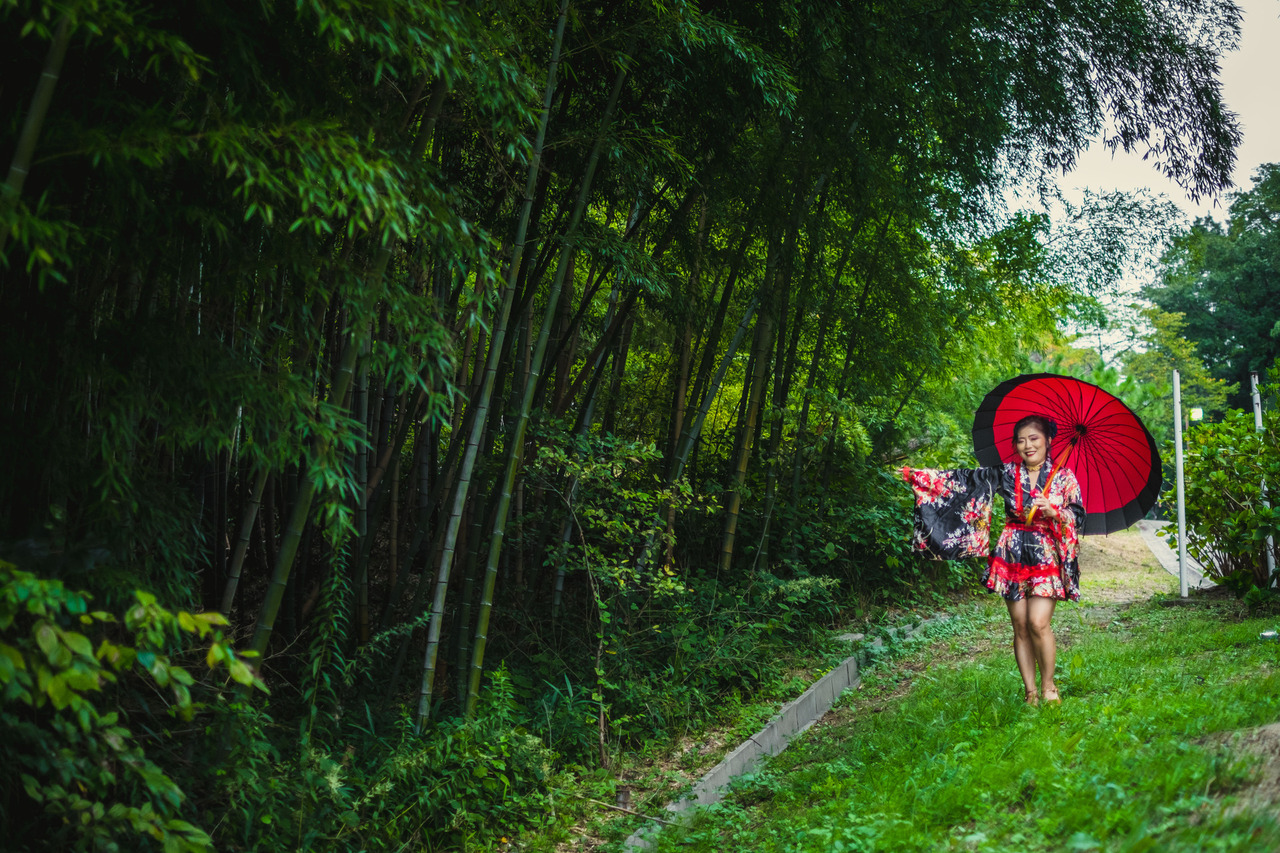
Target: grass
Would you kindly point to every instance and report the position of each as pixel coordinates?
(664, 768)
(938, 752)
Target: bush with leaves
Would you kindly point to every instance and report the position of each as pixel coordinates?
(374, 785)
(68, 756)
(1228, 521)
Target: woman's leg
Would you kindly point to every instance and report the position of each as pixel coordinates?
(1023, 652)
(1039, 615)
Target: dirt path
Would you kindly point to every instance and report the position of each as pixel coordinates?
(1116, 571)
(1120, 569)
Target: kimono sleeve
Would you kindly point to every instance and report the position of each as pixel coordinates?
(953, 510)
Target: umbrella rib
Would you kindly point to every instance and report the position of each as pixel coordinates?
(1104, 459)
(1110, 459)
(1112, 472)
(1092, 478)
(1136, 460)
(1113, 457)
(1064, 408)
(1106, 477)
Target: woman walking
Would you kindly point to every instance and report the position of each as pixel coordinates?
(1034, 564)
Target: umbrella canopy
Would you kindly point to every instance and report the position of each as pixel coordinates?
(1105, 444)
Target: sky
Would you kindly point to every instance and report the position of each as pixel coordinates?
(1249, 86)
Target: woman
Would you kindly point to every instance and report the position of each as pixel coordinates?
(1034, 564)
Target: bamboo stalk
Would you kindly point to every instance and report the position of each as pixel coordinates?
(764, 340)
(394, 537)
(242, 544)
(515, 451)
(20, 165)
(815, 368)
(359, 552)
(463, 639)
(486, 391)
(713, 390)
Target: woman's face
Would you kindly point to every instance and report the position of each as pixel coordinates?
(1031, 445)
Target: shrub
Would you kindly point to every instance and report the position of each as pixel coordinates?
(467, 779)
(1227, 520)
(69, 757)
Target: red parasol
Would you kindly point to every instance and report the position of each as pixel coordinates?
(1099, 438)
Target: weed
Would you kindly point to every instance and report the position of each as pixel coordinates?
(947, 757)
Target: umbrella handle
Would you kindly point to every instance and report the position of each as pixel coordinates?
(1052, 473)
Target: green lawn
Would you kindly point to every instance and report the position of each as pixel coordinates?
(938, 752)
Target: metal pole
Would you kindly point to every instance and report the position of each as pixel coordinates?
(1182, 502)
(1257, 424)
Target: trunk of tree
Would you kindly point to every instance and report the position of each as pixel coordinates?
(763, 343)
(242, 542)
(359, 549)
(515, 451)
(20, 165)
(495, 353)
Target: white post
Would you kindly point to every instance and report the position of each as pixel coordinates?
(1182, 500)
(1257, 424)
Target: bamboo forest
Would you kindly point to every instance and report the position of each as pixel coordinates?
(413, 410)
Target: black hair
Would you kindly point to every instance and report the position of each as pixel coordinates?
(1040, 422)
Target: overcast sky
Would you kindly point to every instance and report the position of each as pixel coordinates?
(1250, 78)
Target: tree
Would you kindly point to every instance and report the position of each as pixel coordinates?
(516, 319)
(1166, 350)
(1225, 283)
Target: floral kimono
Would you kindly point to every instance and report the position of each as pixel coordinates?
(1033, 556)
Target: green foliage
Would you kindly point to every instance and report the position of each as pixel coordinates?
(713, 643)
(947, 757)
(70, 759)
(1167, 350)
(1228, 521)
(472, 778)
(865, 543)
(1223, 280)
(234, 210)
(615, 509)
(328, 670)
(467, 782)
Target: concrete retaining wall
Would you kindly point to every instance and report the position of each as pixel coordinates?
(794, 717)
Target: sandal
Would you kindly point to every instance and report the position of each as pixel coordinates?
(1051, 695)
(1033, 698)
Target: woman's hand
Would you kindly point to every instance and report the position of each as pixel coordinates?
(1044, 508)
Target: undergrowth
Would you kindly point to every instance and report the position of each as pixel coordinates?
(947, 757)
(663, 770)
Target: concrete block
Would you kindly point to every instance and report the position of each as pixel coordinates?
(808, 707)
(719, 786)
(748, 751)
(830, 683)
(793, 719)
(790, 717)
